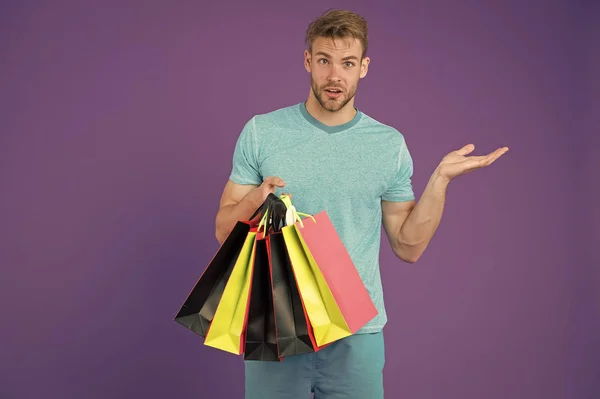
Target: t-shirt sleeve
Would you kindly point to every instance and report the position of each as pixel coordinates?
(245, 167)
(400, 188)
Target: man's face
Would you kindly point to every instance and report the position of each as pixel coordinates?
(335, 68)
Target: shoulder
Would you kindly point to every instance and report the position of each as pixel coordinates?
(261, 124)
(277, 116)
(262, 130)
(383, 130)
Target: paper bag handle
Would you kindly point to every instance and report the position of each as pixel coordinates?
(287, 200)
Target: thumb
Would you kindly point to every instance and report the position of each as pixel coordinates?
(274, 181)
(466, 149)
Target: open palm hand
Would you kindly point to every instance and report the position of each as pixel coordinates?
(457, 162)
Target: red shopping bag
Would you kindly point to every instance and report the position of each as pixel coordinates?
(320, 238)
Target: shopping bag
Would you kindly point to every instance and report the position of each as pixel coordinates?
(328, 256)
(200, 306)
(293, 333)
(324, 314)
(260, 335)
(227, 326)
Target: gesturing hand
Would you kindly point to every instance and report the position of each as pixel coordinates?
(457, 162)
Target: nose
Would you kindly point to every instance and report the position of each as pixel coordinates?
(333, 74)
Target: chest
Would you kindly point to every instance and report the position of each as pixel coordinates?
(319, 169)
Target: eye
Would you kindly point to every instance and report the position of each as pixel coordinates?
(349, 64)
(322, 61)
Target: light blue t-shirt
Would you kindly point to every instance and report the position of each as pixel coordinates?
(345, 170)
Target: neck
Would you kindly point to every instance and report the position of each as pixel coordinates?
(330, 118)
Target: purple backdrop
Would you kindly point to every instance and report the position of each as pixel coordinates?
(582, 339)
(118, 125)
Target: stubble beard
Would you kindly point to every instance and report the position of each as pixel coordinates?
(331, 104)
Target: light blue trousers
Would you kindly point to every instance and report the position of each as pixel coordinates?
(351, 368)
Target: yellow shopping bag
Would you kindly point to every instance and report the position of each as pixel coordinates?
(326, 318)
(227, 327)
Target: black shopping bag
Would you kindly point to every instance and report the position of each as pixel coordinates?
(291, 323)
(260, 339)
(201, 304)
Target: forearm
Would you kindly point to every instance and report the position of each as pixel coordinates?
(423, 220)
(229, 215)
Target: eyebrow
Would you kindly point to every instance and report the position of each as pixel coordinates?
(350, 57)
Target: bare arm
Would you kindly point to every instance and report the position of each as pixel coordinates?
(239, 202)
(410, 227)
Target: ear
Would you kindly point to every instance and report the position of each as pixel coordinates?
(307, 59)
(364, 67)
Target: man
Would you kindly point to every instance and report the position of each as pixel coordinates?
(330, 156)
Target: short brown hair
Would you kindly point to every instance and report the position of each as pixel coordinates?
(339, 24)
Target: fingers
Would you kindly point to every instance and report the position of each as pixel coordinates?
(496, 154)
(491, 158)
(270, 184)
(274, 181)
(466, 149)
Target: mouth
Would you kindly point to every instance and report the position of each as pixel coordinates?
(333, 92)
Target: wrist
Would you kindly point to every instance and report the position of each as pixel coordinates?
(255, 198)
(438, 179)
